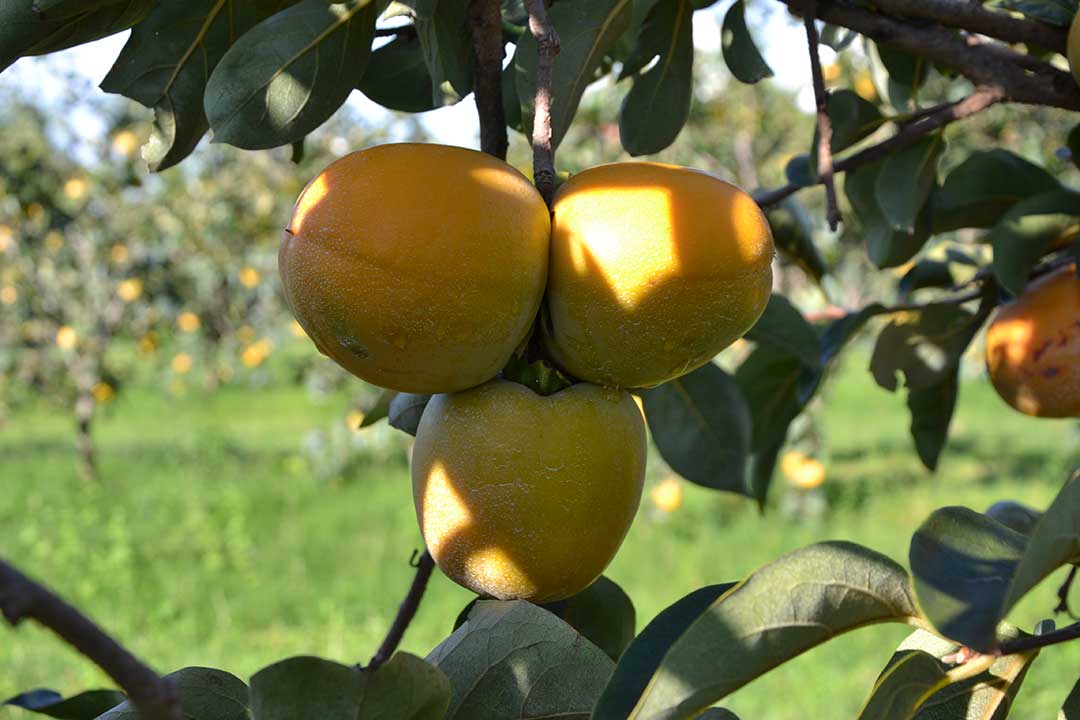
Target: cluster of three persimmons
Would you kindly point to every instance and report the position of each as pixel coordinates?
(423, 268)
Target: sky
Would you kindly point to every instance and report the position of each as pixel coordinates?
(56, 78)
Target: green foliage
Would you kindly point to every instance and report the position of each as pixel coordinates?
(84, 706)
(741, 54)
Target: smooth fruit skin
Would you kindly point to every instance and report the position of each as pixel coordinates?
(1073, 47)
(417, 267)
(1033, 348)
(521, 496)
(654, 270)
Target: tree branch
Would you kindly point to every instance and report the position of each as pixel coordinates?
(824, 125)
(547, 47)
(424, 567)
(1032, 642)
(485, 19)
(980, 63)
(21, 598)
(911, 133)
(975, 18)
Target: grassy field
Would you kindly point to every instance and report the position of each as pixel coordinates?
(209, 542)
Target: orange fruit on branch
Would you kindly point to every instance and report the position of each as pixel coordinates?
(417, 267)
(1033, 347)
(523, 496)
(654, 270)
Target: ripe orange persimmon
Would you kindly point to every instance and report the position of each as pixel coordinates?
(1033, 348)
(523, 496)
(417, 267)
(654, 270)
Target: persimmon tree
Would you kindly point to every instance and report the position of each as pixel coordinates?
(973, 227)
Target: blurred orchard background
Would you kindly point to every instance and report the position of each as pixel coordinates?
(174, 453)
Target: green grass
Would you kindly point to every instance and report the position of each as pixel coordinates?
(208, 542)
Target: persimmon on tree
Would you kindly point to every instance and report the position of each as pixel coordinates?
(972, 228)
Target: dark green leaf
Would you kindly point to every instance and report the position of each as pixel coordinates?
(165, 64)
(658, 104)
(24, 32)
(604, 614)
(205, 694)
(837, 333)
(931, 410)
(405, 411)
(798, 171)
(740, 53)
(442, 26)
(910, 677)
(290, 73)
(852, 118)
(397, 77)
(963, 563)
(784, 609)
(903, 185)
(701, 425)
(885, 246)
(979, 190)
(84, 706)
(926, 273)
(641, 10)
(642, 658)
(307, 687)
(61, 9)
(375, 407)
(587, 32)
(513, 660)
(792, 232)
(903, 67)
(717, 714)
(1055, 12)
(1070, 710)
(783, 327)
(405, 688)
(924, 345)
(770, 379)
(761, 468)
(1027, 231)
(1073, 144)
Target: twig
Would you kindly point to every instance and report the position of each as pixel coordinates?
(424, 566)
(1032, 642)
(824, 125)
(485, 19)
(547, 47)
(911, 133)
(21, 598)
(1063, 594)
(975, 18)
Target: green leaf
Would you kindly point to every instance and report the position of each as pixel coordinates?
(904, 68)
(761, 468)
(909, 678)
(926, 273)
(770, 379)
(983, 187)
(701, 424)
(84, 706)
(658, 104)
(405, 411)
(513, 660)
(740, 53)
(852, 118)
(205, 694)
(903, 185)
(838, 332)
(405, 688)
(375, 407)
(642, 659)
(924, 345)
(165, 64)
(1027, 231)
(717, 714)
(963, 562)
(798, 171)
(1070, 709)
(885, 246)
(1055, 12)
(1072, 142)
(783, 327)
(587, 32)
(24, 32)
(931, 410)
(290, 73)
(60, 9)
(1014, 516)
(442, 26)
(906, 688)
(782, 610)
(793, 234)
(604, 614)
(307, 687)
(397, 77)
